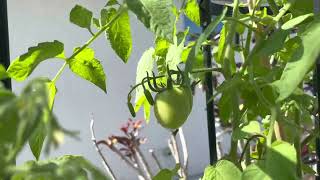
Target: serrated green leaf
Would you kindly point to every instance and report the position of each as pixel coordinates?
(296, 21)
(145, 65)
(86, 66)
(301, 62)
(24, 65)
(81, 16)
(156, 15)
(222, 170)
(192, 11)
(119, 33)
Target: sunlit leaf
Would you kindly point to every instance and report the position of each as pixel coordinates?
(81, 16)
(119, 33)
(24, 65)
(86, 66)
(157, 15)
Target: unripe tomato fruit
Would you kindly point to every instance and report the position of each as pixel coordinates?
(173, 106)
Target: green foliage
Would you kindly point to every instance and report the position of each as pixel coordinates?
(145, 65)
(301, 61)
(271, 82)
(65, 167)
(119, 33)
(192, 11)
(81, 16)
(280, 163)
(167, 174)
(223, 170)
(24, 65)
(156, 15)
(86, 66)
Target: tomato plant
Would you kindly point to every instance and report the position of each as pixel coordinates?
(264, 89)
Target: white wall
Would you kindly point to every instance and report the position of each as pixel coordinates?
(33, 21)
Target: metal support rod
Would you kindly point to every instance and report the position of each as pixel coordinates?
(317, 93)
(4, 40)
(205, 17)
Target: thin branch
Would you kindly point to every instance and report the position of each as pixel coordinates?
(126, 160)
(145, 167)
(156, 159)
(104, 160)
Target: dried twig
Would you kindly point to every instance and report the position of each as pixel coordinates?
(104, 160)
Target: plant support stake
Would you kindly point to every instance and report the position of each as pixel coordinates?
(317, 93)
(4, 40)
(205, 18)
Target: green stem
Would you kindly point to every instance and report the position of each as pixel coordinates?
(284, 10)
(297, 144)
(274, 114)
(93, 38)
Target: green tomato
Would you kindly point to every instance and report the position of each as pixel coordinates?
(173, 106)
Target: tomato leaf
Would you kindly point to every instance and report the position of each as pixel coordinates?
(145, 65)
(119, 32)
(166, 174)
(246, 130)
(296, 21)
(156, 15)
(81, 16)
(222, 170)
(24, 65)
(36, 140)
(192, 11)
(86, 66)
(301, 62)
(279, 163)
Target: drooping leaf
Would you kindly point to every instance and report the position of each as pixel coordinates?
(86, 66)
(65, 167)
(222, 170)
(157, 15)
(37, 139)
(145, 65)
(24, 65)
(192, 11)
(119, 33)
(301, 61)
(81, 16)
